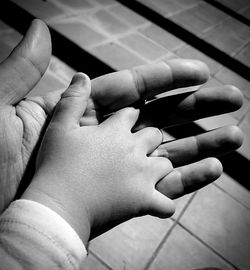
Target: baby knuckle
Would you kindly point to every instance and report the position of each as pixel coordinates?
(165, 163)
(126, 113)
(156, 133)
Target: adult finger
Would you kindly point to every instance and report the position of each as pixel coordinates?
(186, 107)
(119, 89)
(25, 66)
(73, 102)
(212, 143)
(189, 178)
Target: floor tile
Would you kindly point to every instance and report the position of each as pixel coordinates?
(106, 2)
(162, 37)
(81, 34)
(190, 22)
(5, 50)
(227, 76)
(3, 26)
(212, 82)
(92, 263)
(216, 121)
(184, 252)
(61, 69)
(222, 223)
(244, 56)
(233, 188)
(208, 13)
(178, 91)
(162, 6)
(224, 39)
(40, 9)
(131, 244)
(116, 56)
(246, 12)
(128, 15)
(245, 127)
(188, 3)
(235, 5)
(105, 21)
(180, 204)
(169, 56)
(143, 46)
(190, 52)
(77, 4)
(237, 29)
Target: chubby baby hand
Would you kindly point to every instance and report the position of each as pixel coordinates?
(98, 176)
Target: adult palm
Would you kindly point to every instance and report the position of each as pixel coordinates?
(23, 120)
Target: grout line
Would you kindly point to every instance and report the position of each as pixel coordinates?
(95, 66)
(245, 115)
(209, 247)
(189, 37)
(144, 24)
(241, 48)
(209, 28)
(228, 11)
(164, 239)
(182, 9)
(231, 196)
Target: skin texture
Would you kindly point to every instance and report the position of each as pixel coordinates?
(24, 120)
(98, 176)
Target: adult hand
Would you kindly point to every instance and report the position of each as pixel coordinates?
(23, 121)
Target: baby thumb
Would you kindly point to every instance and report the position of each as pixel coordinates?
(74, 100)
(161, 206)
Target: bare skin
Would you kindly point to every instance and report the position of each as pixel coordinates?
(98, 176)
(23, 120)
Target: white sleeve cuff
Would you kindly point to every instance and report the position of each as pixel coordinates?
(46, 234)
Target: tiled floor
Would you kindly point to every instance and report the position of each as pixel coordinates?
(211, 228)
(228, 236)
(131, 244)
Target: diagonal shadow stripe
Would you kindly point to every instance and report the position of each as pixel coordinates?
(188, 37)
(234, 164)
(63, 48)
(229, 11)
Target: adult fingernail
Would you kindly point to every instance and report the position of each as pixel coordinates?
(79, 79)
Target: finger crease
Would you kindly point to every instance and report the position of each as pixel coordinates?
(140, 83)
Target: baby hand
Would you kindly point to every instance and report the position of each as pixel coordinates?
(96, 177)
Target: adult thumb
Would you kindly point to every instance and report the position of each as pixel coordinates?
(74, 100)
(25, 66)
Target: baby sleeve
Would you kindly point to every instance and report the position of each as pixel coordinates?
(32, 236)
